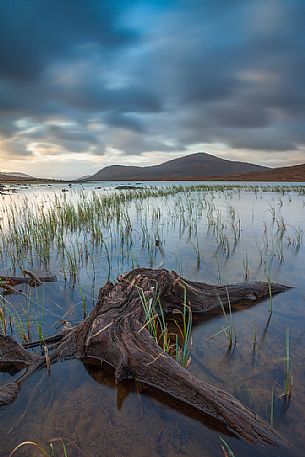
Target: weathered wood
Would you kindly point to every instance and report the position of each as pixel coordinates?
(7, 283)
(29, 276)
(14, 358)
(115, 333)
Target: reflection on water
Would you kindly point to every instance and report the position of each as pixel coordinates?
(80, 402)
(95, 417)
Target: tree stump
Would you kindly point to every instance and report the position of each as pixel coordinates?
(115, 333)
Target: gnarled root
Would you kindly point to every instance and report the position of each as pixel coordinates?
(115, 333)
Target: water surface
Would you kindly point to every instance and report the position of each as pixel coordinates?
(212, 235)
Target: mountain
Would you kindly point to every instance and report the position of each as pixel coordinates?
(188, 167)
(15, 176)
(294, 173)
(83, 178)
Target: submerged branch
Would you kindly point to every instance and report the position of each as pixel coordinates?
(8, 283)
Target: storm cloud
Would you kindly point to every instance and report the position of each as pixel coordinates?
(134, 81)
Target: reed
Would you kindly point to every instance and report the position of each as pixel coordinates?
(272, 406)
(32, 444)
(288, 368)
(228, 330)
(270, 307)
(3, 322)
(182, 355)
(177, 343)
(86, 234)
(254, 336)
(227, 451)
(246, 267)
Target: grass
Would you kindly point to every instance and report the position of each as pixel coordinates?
(197, 252)
(182, 351)
(112, 232)
(254, 336)
(41, 449)
(32, 444)
(177, 343)
(229, 329)
(227, 451)
(246, 267)
(270, 307)
(3, 322)
(272, 406)
(75, 227)
(288, 369)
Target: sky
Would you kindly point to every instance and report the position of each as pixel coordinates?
(86, 84)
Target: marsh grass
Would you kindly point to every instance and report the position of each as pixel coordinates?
(270, 307)
(227, 451)
(272, 407)
(32, 444)
(228, 330)
(3, 322)
(92, 237)
(77, 226)
(246, 267)
(41, 449)
(182, 351)
(254, 337)
(196, 248)
(288, 368)
(176, 342)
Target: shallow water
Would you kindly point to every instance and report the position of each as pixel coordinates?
(81, 404)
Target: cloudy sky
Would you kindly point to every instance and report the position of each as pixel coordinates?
(88, 83)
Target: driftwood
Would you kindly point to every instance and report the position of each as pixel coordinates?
(8, 283)
(115, 333)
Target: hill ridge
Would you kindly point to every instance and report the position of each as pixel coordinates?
(198, 164)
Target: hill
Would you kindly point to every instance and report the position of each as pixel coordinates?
(290, 174)
(191, 166)
(15, 176)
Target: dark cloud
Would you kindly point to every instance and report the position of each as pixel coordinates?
(123, 120)
(33, 33)
(73, 133)
(152, 76)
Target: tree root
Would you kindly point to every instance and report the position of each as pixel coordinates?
(115, 333)
(8, 283)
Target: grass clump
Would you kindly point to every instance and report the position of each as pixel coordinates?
(176, 342)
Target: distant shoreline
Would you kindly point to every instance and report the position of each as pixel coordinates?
(266, 176)
(170, 179)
